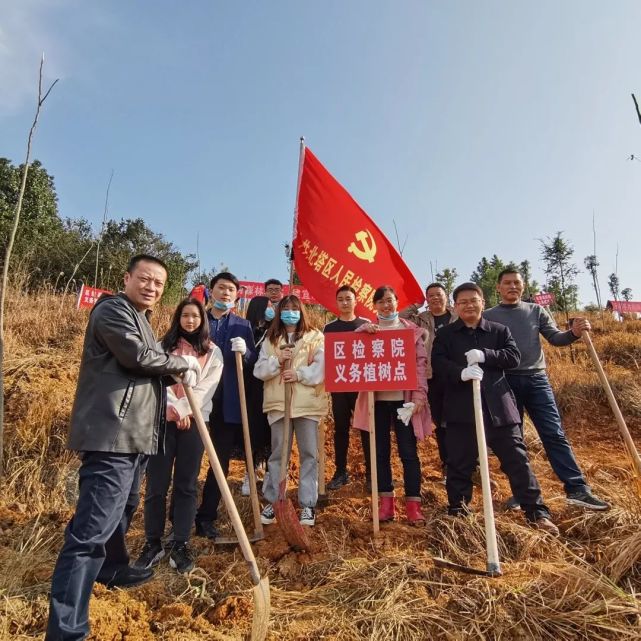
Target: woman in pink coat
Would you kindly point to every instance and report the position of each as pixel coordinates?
(412, 423)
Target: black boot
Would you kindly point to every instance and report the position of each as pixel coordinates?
(340, 478)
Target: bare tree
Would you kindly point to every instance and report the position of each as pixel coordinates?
(636, 107)
(401, 248)
(102, 229)
(12, 237)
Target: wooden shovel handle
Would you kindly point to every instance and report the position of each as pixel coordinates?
(224, 488)
(623, 428)
(287, 426)
(373, 471)
(493, 564)
(249, 457)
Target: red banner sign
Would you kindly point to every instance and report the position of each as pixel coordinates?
(87, 296)
(625, 306)
(363, 362)
(544, 298)
(250, 289)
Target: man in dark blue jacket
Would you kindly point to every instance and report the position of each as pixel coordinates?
(231, 334)
(473, 348)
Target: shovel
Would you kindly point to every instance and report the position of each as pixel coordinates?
(372, 461)
(262, 601)
(493, 564)
(249, 459)
(283, 508)
(623, 428)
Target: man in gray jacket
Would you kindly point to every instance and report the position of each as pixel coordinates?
(530, 384)
(117, 420)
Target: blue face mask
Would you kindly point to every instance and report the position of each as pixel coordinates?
(391, 317)
(269, 313)
(290, 316)
(218, 304)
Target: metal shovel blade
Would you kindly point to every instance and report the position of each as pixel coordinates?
(285, 513)
(450, 565)
(262, 601)
(290, 526)
(232, 540)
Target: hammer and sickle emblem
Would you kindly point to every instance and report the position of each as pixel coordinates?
(367, 249)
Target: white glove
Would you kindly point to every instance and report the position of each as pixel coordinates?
(472, 373)
(475, 356)
(192, 375)
(405, 412)
(238, 344)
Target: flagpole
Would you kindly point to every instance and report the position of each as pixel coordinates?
(301, 158)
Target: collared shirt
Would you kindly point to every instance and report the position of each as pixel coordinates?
(483, 325)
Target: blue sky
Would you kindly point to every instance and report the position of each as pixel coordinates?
(479, 127)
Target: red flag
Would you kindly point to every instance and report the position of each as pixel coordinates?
(336, 243)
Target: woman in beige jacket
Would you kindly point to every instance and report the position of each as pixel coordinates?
(292, 354)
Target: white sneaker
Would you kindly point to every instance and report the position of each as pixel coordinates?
(267, 516)
(307, 516)
(244, 490)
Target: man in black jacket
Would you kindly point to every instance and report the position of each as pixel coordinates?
(117, 420)
(474, 348)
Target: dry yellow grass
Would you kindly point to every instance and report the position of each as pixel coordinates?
(584, 585)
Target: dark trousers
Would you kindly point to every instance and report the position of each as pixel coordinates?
(343, 404)
(507, 443)
(534, 394)
(435, 397)
(94, 544)
(386, 419)
(182, 458)
(224, 436)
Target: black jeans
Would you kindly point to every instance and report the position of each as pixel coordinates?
(182, 457)
(435, 397)
(343, 404)
(386, 419)
(507, 443)
(224, 436)
(94, 544)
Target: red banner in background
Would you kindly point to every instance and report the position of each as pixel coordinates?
(363, 362)
(544, 298)
(336, 243)
(250, 289)
(87, 296)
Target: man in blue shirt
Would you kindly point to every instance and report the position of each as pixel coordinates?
(231, 334)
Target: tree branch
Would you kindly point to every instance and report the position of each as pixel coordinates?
(9, 249)
(636, 106)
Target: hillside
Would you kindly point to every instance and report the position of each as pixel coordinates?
(585, 585)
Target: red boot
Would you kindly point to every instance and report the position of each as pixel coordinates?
(386, 507)
(413, 511)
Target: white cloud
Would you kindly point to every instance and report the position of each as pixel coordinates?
(24, 36)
